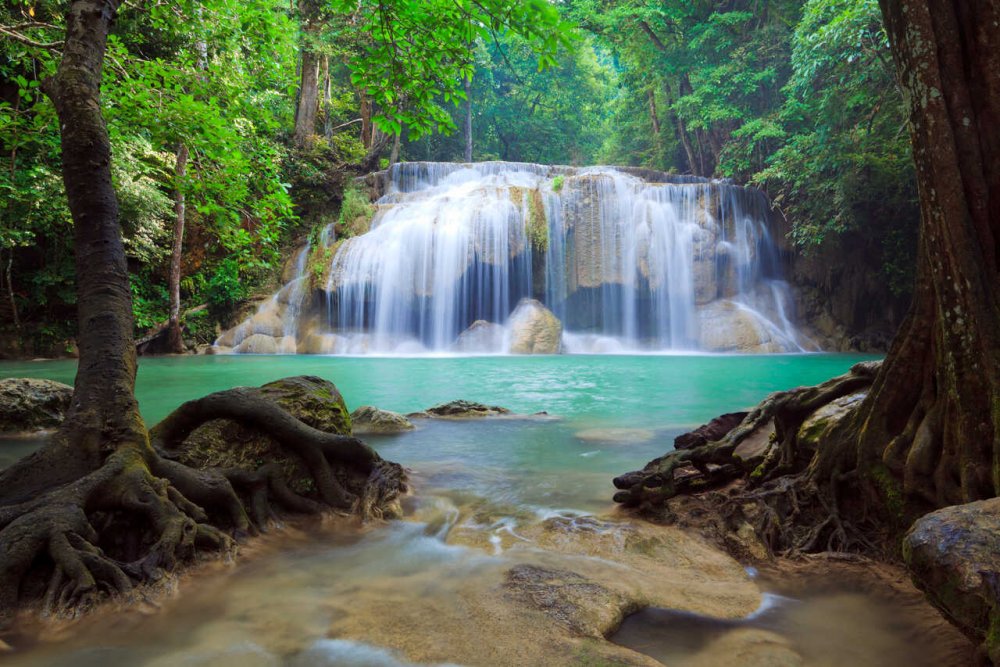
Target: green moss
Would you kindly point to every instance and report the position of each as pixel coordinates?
(890, 490)
(537, 224)
(356, 212)
(557, 183)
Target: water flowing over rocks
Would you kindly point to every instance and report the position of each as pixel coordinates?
(617, 260)
(28, 404)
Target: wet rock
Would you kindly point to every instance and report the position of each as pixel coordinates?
(29, 404)
(369, 419)
(534, 329)
(584, 607)
(257, 344)
(725, 326)
(481, 336)
(953, 555)
(822, 422)
(465, 410)
(222, 443)
(716, 429)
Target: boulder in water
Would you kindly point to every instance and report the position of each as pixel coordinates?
(369, 419)
(534, 329)
(953, 555)
(465, 410)
(481, 336)
(716, 429)
(726, 326)
(257, 344)
(30, 404)
(223, 443)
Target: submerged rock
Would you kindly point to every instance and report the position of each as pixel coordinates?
(534, 329)
(953, 555)
(464, 410)
(716, 429)
(30, 404)
(369, 419)
(481, 336)
(615, 435)
(223, 443)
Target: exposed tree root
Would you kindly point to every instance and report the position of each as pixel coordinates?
(787, 490)
(139, 515)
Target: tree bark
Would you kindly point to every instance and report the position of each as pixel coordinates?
(175, 341)
(933, 416)
(652, 111)
(394, 153)
(467, 85)
(367, 128)
(305, 115)
(103, 400)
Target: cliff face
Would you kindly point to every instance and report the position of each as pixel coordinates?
(843, 299)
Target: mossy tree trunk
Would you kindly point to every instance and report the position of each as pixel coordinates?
(933, 415)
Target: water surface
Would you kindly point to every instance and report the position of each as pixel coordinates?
(606, 415)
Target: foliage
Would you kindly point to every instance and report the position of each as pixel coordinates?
(225, 290)
(418, 53)
(797, 96)
(356, 212)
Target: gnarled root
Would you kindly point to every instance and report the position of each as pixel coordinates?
(786, 490)
(140, 514)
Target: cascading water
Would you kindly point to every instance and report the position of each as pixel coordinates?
(498, 257)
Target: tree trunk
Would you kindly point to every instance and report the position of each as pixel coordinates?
(467, 84)
(394, 153)
(367, 128)
(652, 112)
(326, 95)
(103, 400)
(175, 340)
(305, 115)
(933, 416)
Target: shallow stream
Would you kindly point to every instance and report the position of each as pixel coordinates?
(344, 595)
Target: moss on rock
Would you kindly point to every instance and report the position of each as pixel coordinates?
(223, 443)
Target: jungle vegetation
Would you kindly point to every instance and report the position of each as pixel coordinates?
(235, 126)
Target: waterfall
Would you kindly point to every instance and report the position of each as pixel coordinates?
(624, 259)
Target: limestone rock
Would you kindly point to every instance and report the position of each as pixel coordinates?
(369, 419)
(534, 329)
(583, 606)
(222, 443)
(953, 555)
(257, 344)
(29, 404)
(481, 336)
(713, 430)
(465, 410)
(726, 327)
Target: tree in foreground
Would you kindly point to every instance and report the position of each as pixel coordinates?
(928, 433)
(103, 474)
